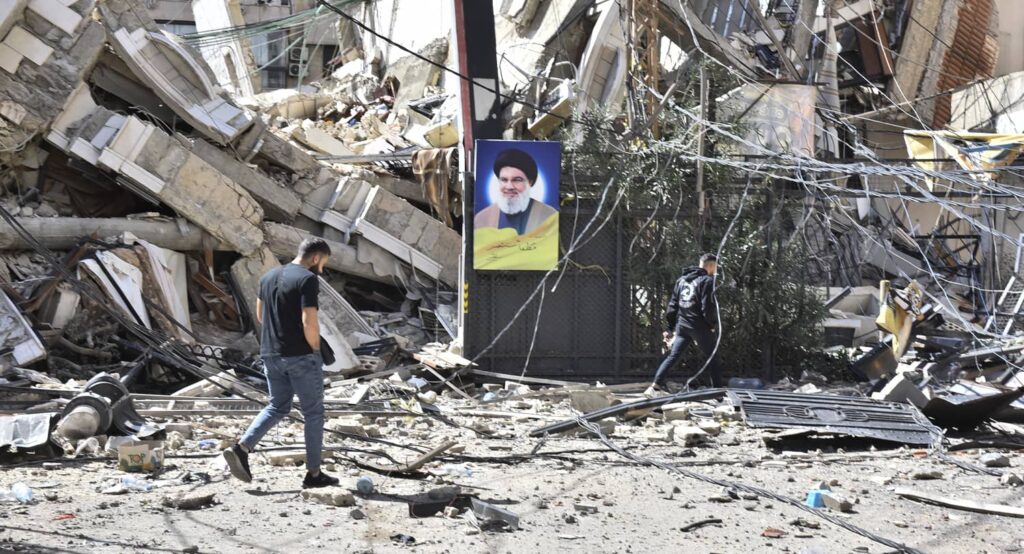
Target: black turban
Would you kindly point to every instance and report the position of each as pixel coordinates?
(518, 159)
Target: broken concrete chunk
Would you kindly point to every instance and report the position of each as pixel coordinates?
(284, 241)
(348, 425)
(320, 140)
(1011, 480)
(247, 272)
(414, 76)
(189, 502)
(175, 74)
(287, 458)
(837, 502)
(488, 515)
(184, 429)
(994, 459)
(901, 389)
(585, 508)
(727, 413)
(279, 203)
(661, 433)
(589, 401)
(689, 435)
(677, 414)
(338, 498)
(712, 428)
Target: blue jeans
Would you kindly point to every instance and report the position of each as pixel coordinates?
(684, 337)
(286, 377)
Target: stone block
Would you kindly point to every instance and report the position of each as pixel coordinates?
(330, 497)
(994, 459)
(712, 428)
(689, 435)
(57, 13)
(589, 401)
(28, 45)
(661, 433)
(677, 414)
(839, 503)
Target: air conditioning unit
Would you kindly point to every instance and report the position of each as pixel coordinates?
(294, 69)
(297, 54)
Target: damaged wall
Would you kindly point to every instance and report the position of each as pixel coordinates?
(63, 47)
(946, 43)
(232, 62)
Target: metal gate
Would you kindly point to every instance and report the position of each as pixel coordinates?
(593, 326)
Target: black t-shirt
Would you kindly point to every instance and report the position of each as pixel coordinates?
(285, 291)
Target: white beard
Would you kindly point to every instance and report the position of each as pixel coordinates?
(513, 206)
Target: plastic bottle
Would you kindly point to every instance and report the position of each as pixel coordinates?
(207, 444)
(135, 484)
(22, 492)
(364, 485)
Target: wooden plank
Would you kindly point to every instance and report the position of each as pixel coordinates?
(966, 505)
(214, 289)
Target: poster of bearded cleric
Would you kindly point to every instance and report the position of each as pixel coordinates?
(516, 205)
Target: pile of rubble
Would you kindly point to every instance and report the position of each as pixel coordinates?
(141, 205)
(957, 372)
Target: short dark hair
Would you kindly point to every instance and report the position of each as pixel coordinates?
(313, 245)
(513, 157)
(708, 258)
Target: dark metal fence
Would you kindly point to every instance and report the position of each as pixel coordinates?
(599, 323)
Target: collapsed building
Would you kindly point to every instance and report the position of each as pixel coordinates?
(151, 178)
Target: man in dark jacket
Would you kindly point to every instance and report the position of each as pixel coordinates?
(692, 315)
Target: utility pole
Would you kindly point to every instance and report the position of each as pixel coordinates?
(701, 203)
(645, 57)
(480, 118)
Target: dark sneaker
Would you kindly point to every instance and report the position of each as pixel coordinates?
(321, 480)
(238, 462)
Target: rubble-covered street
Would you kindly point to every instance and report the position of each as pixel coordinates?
(576, 275)
(570, 493)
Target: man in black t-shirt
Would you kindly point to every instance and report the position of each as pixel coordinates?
(290, 348)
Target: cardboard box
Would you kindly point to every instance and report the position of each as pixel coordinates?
(140, 456)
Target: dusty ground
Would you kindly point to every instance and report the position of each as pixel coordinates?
(639, 509)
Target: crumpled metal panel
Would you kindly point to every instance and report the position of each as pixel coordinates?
(24, 430)
(846, 415)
